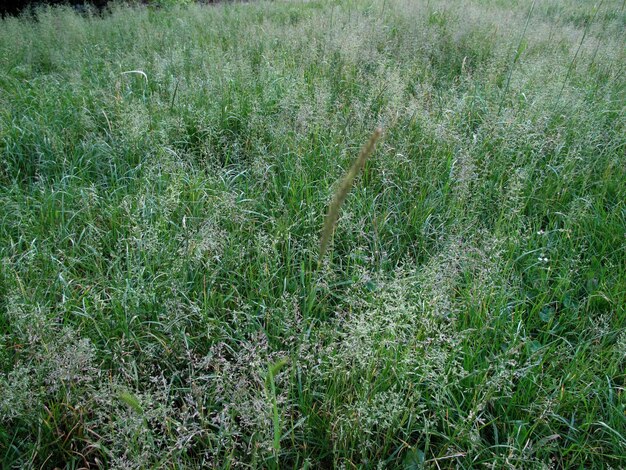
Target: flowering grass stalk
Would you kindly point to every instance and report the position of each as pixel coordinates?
(342, 192)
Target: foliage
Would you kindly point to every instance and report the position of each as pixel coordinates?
(164, 177)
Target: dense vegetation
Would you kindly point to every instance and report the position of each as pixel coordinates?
(164, 177)
(15, 7)
(26, 7)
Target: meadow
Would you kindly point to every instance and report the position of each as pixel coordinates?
(164, 178)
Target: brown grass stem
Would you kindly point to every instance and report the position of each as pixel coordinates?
(343, 190)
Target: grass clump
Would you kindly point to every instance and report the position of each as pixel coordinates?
(164, 176)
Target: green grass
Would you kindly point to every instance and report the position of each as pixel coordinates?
(164, 178)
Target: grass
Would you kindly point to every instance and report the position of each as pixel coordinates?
(163, 184)
(342, 192)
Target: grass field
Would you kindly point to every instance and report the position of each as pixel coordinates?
(164, 178)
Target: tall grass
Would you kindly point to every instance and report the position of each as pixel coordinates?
(162, 302)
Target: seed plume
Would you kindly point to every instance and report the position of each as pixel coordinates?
(343, 190)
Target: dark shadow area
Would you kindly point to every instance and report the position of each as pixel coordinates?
(15, 7)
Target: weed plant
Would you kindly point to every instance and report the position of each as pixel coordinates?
(164, 177)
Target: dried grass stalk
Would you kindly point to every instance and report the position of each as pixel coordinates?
(343, 190)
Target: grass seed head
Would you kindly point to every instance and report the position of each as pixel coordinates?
(343, 190)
